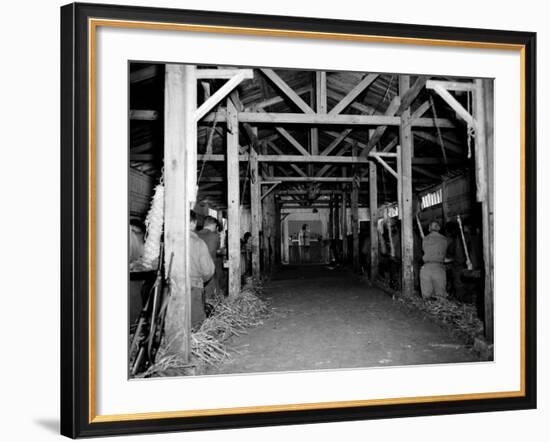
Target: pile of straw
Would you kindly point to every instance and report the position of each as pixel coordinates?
(462, 317)
(231, 317)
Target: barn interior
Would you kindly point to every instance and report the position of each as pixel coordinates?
(366, 160)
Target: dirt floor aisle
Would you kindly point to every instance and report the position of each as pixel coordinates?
(323, 318)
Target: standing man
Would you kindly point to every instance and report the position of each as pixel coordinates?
(209, 234)
(201, 270)
(304, 240)
(433, 279)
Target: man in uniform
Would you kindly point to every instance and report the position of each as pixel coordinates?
(433, 280)
(209, 234)
(201, 269)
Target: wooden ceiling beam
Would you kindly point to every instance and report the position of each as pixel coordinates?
(313, 179)
(336, 142)
(287, 90)
(421, 110)
(144, 74)
(275, 100)
(390, 145)
(282, 158)
(311, 119)
(353, 94)
(221, 74)
(222, 92)
(396, 107)
(317, 119)
(144, 115)
(321, 91)
(280, 155)
(293, 141)
(442, 88)
(326, 119)
(312, 159)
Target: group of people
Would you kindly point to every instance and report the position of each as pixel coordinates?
(306, 247)
(205, 267)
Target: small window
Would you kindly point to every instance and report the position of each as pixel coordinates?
(432, 198)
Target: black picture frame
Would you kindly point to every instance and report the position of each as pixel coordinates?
(75, 220)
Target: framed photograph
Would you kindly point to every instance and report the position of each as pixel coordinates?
(274, 220)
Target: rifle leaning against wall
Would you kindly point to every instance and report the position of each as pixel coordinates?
(150, 325)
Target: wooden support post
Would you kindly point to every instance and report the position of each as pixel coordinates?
(482, 149)
(268, 231)
(331, 218)
(268, 218)
(314, 148)
(284, 238)
(256, 213)
(354, 224)
(277, 234)
(355, 217)
(344, 226)
(344, 223)
(321, 107)
(321, 91)
(373, 209)
(336, 217)
(399, 177)
(190, 96)
(233, 203)
(406, 140)
(178, 139)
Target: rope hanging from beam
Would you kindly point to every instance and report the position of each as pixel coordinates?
(439, 136)
(208, 145)
(471, 133)
(247, 176)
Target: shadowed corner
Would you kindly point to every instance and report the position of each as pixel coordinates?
(50, 424)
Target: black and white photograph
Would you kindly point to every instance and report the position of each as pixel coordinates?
(287, 220)
(275, 221)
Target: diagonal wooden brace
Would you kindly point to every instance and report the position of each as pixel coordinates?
(222, 92)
